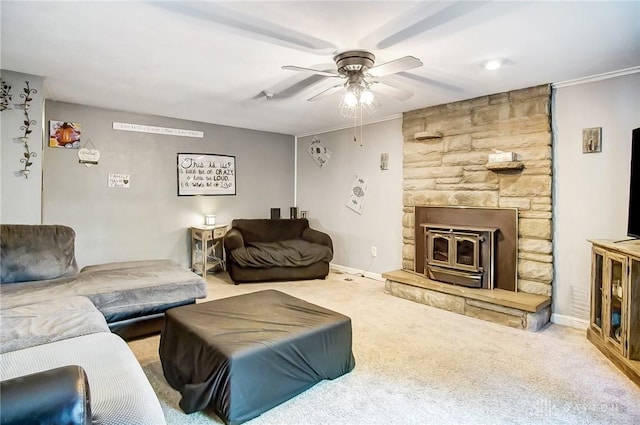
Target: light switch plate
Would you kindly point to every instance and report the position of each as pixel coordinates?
(592, 140)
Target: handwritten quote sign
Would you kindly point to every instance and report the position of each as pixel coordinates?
(206, 174)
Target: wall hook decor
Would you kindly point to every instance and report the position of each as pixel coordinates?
(26, 129)
(5, 96)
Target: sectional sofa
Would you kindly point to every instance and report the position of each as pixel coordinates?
(54, 315)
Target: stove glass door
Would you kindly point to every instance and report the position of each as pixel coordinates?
(466, 248)
(439, 248)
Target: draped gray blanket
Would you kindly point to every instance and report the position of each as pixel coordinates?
(289, 253)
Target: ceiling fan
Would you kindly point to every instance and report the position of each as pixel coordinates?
(358, 70)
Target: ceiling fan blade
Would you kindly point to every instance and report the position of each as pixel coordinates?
(395, 66)
(441, 17)
(326, 92)
(248, 25)
(425, 80)
(389, 90)
(315, 71)
(282, 91)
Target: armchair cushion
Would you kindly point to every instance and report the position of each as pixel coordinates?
(267, 230)
(291, 253)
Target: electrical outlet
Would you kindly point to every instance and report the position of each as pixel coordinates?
(374, 251)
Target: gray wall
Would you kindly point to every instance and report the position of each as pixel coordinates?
(591, 192)
(149, 220)
(21, 196)
(324, 192)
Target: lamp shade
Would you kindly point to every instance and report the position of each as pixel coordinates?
(209, 220)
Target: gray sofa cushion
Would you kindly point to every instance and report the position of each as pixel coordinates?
(42, 252)
(55, 320)
(115, 288)
(124, 289)
(120, 392)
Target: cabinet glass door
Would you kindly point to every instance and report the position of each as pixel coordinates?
(617, 281)
(633, 305)
(596, 288)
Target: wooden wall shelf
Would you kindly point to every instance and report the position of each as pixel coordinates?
(425, 135)
(505, 166)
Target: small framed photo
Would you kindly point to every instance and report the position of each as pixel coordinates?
(592, 140)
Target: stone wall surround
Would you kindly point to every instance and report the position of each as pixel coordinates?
(445, 154)
(451, 170)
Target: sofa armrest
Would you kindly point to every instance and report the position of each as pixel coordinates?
(316, 236)
(55, 396)
(233, 239)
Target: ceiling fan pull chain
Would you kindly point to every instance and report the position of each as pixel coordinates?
(361, 138)
(355, 127)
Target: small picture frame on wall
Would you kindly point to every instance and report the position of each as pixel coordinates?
(592, 140)
(64, 134)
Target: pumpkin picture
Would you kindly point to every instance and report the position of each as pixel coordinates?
(63, 134)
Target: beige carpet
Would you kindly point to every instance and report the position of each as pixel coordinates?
(420, 365)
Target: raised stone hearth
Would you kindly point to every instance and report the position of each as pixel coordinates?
(446, 151)
(514, 309)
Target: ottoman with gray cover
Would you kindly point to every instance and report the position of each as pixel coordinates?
(246, 354)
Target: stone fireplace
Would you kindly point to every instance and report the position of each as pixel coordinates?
(449, 188)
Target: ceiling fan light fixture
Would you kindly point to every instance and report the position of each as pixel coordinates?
(367, 97)
(350, 99)
(357, 98)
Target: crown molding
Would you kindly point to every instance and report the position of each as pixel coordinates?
(348, 126)
(597, 77)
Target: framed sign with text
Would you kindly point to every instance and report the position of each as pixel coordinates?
(206, 174)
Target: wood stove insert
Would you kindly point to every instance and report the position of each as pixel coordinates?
(506, 240)
(460, 255)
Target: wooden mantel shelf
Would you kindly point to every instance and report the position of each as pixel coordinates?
(519, 300)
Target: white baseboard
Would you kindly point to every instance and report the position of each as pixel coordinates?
(350, 270)
(572, 322)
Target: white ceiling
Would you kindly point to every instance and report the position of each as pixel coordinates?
(211, 61)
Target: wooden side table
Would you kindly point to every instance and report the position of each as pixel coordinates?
(207, 238)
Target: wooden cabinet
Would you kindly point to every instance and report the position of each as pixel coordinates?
(206, 241)
(615, 303)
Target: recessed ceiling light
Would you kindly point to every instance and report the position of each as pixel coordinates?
(492, 65)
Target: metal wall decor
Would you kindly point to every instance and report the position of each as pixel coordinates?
(26, 128)
(5, 96)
